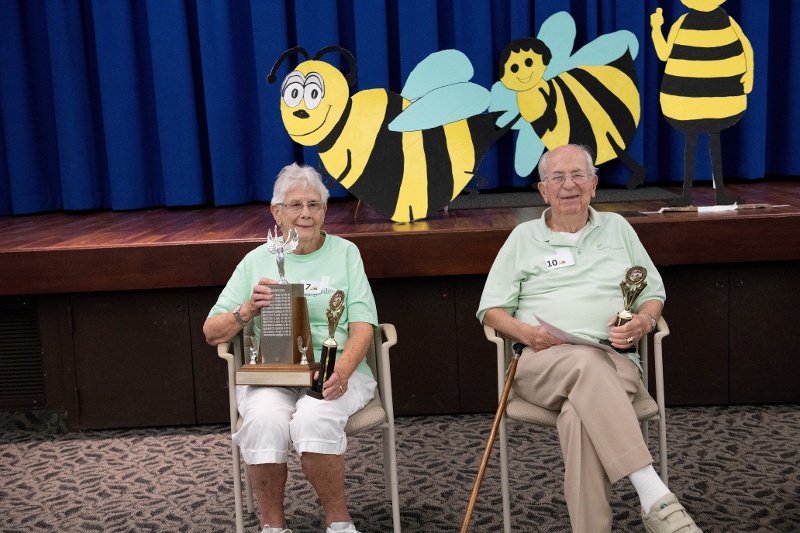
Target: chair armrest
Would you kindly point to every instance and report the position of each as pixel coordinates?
(662, 330)
(502, 360)
(382, 361)
(234, 361)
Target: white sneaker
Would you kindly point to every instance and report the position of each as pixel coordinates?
(342, 527)
(267, 529)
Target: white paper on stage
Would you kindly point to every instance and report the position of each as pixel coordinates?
(569, 338)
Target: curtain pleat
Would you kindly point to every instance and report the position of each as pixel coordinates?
(110, 104)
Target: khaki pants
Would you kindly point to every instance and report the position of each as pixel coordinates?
(600, 436)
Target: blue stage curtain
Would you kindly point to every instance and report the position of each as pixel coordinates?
(116, 104)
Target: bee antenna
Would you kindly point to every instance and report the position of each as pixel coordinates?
(291, 51)
(351, 60)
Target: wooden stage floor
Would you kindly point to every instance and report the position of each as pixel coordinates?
(67, 252)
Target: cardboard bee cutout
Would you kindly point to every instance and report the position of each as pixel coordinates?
(404, 165)
(553, 97)
(708, 73)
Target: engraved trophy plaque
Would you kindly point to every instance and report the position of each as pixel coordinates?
(633, 284)
(280, 361)
(327, 359)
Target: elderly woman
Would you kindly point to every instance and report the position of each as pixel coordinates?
(566, 268)
(276, 418)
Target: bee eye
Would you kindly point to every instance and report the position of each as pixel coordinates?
(529, 62)
(514, 68)
(314, 90)
(293, 93)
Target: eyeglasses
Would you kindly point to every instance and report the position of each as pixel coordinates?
(578, 178)
(297, 207)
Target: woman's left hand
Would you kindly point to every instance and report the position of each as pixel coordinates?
(335, 387)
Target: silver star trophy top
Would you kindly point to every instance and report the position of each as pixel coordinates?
(280, 247)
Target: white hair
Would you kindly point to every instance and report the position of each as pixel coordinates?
(295, 175)
(542, 167)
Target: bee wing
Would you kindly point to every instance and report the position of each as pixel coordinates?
(442, 106)
(439, 69)
(605, 49)
(440, 93)
(504, 99)
(528, 149)
(558, 33)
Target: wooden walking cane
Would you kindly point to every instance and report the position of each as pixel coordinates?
(512, 369)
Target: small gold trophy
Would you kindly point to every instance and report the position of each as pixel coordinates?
(633, 284)
(327, 359)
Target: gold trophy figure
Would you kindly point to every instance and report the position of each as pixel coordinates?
(633, 284)
(327, 359)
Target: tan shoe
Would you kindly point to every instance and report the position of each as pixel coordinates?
(669, 516)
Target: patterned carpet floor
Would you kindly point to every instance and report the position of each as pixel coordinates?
(735, 468)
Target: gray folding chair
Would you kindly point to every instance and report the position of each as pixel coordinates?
(647, 409)
(378, 413)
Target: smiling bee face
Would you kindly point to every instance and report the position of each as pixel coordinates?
(313, 99)
(523, 70)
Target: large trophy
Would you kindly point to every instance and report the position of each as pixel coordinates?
(281, 358)
(327, 359)
(633, 284)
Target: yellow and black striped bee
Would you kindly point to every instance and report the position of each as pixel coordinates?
(708, 73)
(589, 98)
(404, 175)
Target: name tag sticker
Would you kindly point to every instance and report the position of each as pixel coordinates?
(562, 258)
(315, 287)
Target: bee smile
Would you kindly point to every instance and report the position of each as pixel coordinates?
(315, 129)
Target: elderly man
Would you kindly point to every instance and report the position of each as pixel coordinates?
(566, 268)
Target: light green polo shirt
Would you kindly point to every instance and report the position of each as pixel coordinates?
(336, 265)
(581, 298)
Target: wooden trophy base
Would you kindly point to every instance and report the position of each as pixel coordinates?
(277, 374)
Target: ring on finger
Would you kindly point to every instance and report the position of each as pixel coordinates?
(630, 339)
(341, 389)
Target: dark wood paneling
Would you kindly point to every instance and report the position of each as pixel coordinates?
(58, 356)
(425, 359)
(477, 363)
(764, 334)
(210, 372)
(133, 361)
(696, 350)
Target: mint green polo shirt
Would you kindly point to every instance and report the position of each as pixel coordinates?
(580, 298)
(337, 265)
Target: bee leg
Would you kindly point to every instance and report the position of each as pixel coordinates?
(690, 150)
(638, 172)
(722, 197)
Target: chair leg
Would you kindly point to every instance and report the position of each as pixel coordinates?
(504, 475)
(248, 490)
(237, 487)
(390, 475)
(662, 451)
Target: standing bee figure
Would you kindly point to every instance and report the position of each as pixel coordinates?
(589, 98)
(404, 171)
(708, 73)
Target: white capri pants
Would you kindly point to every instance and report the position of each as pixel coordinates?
(276, 417)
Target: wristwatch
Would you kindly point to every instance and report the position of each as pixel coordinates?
(237, 316)
(652, 322)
